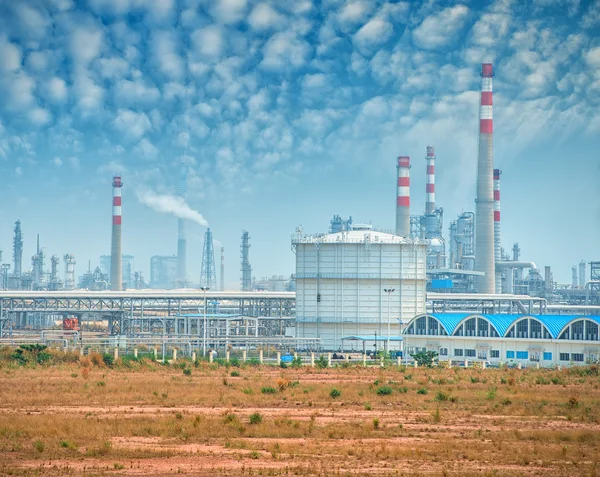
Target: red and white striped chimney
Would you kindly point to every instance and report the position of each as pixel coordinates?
(403, 197)
(430, 182)
(484, 210)
(497, 244)
(116, 277)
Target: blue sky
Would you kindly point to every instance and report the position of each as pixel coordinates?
(289, 112)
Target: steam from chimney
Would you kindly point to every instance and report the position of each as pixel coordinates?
(170, 204)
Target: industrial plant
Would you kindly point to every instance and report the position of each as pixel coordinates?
(458, 291)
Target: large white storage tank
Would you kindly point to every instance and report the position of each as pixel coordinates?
(340, 282)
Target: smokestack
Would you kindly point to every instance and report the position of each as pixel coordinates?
(403, 198)
(484, 220)
(582, 273)
(181, 241)
(430, 182)
(497, 245)
(222, 269)
(116, 277)
(18, 250)
(574, 280)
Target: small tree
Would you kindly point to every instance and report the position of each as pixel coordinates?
(425, 358)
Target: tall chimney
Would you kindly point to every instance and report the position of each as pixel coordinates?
(430, 182)
(574, 280)
(222, 277)
(484, 219)
(403, 198)
(116, 277)
(181, 240)
(582, 273)
(497, 244)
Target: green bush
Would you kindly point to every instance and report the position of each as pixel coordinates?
(253, 362)
(296, 362)
(268, 390)
(255, 418)
(442, 396)
(422, 391)
(335, 393)
(187, 371)
(235, 374)
(384, 391)
(108, 359)
(321, 362)
(425, 358)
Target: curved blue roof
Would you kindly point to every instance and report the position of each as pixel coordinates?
(502, 322)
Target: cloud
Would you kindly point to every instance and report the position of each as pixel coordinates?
(229, 11)
(285, 50)
(10, 56)
(39, 116)
(170, 204)
(17, 91)
(135, 93)
(441, 29)
(146, 149)
(57, 162)
(209, 41)
(592, 57)
(165, 52)
(56, 90)
(18, 171)
(376, 32)
(89, 95)
(265, 17)
(490, 28)
(86, 44)
(131, 124)
(354, 12)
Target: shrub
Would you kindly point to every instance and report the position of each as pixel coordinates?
(235, 362)
(253, 362)
(321, 362)
(491, 394)
(403, 390)
(425, 358)
(573, 402)
(268, 390)
(368, 406)
(68, 445)
(335, 393)
(384, 391)
(39, 446)
(474, 379)
(187, 371)
(235, 374)
(376, 423)
(296, 362)
(422, 391)
(256, 418)
(442, 396)
(108, 359)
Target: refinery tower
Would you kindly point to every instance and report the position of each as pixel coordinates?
(116, 277)
(484, 211)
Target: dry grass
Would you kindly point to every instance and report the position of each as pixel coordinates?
(81, 417)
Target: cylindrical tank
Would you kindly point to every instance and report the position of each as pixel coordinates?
(340, 282)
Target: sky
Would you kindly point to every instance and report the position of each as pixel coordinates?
(287, 113)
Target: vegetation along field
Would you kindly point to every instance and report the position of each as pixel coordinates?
(62, 414)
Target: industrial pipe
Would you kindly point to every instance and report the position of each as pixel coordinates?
(514, 264)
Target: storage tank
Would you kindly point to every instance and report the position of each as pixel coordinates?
(340, 282)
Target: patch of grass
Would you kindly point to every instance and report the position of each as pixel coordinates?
(187, 371)
(268, 390)
(235, 374)
(384, 391)
(39, 446)
(367, 406)
(442, 396)
(491, 393)
(256, 418)
(376, 423)
(422, 391)
(68, 445)
(335, 393)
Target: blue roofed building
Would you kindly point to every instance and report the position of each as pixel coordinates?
(526, 339)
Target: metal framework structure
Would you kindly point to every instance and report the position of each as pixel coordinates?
(208, 275)
(246, 268)
(139, 311)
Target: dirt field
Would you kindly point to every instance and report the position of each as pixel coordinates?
(82, 418)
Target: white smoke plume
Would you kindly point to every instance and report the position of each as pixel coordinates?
(171, 204)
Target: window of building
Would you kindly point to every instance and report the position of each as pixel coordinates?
(577, 330)
(482, 354)
(458, 352)
(534, 356)
(482, 326)
(495, 353)
(577, 357)
(547, 356)
(443, 351)
(564, 357)
(510, 355)
(421, 324)
(522, 329)
(459, 331)
(522, 354)
(493, 332)
(470, 327)
(591, 331)
(433, 326)
(511, 332)
(536, 329)
(470, 353)
(564, 335)
(411, 329)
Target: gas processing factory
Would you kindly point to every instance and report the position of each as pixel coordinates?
(355, 288)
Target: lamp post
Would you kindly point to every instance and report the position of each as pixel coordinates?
(389, 292)
(204, 289)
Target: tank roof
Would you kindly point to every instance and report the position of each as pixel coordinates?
(355, 236)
